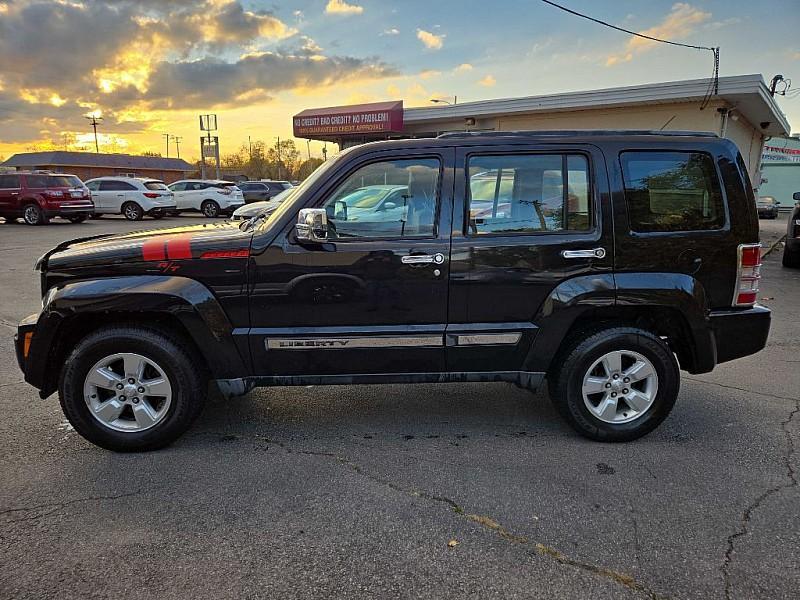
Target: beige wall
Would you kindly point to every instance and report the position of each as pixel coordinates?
(684, 115)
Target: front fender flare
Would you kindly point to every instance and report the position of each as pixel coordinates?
(187, 300)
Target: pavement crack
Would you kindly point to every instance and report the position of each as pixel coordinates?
(535, 548)
(53, 507)
(744, 526)
(741, 389)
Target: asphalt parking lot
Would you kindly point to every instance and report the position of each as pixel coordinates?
(442, 491)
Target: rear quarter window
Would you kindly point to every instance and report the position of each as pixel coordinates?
(39, 181)
(672, 191)
(155, 185)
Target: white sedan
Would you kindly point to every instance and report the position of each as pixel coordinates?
(210, 197)
(264, 206)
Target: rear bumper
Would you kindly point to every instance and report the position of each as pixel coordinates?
(739, 333)
(67, 211)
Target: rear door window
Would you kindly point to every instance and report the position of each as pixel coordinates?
(115, 186)
(528, 193)
(39, 181)
(672, 191)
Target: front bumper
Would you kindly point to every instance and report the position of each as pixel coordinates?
(740, 332)
(25, 327)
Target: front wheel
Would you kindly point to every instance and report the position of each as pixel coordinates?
(791, 257)
(616, 385)
(132, 211)
(131, 389)
(210, 209)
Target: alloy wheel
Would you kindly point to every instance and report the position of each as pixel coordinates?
(620, 386)
(127, 392)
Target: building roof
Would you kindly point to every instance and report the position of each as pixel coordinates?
(61, 158)
(747, 93)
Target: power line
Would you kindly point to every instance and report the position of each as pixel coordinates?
(641, 35)
(713, 84)
(94, 120)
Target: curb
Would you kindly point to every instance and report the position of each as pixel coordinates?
(773, 246)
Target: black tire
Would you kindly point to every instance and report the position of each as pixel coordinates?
(210, 209)
(32, 214)
(177, 359)
(10, 220)
(581, 353)
(95, 216)
(132, 211)
(791, 258)
(158, 215)
(76, 218)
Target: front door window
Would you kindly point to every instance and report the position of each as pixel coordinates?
(387, 199)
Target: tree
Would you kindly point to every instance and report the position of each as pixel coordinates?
(306, 168)
(151, 153)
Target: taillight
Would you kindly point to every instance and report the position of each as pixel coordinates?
(748, 275)
(54, 193)
(151, 195)
(226, 191)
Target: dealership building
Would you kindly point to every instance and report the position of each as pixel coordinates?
(87, 165)
(742, 110)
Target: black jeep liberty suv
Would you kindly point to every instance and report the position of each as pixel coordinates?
(602, 262)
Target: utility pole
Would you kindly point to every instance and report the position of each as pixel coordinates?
(279, 157)
(325, 152)
(177, 139)
(250, 146)
(166, 137)
(94, 120)
(308, 148)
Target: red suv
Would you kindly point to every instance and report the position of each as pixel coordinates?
(36, 197)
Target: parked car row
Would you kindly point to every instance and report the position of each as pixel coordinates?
(36, 197)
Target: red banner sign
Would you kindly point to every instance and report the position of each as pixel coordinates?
(380, 117)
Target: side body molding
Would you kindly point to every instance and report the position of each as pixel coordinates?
(189, 301)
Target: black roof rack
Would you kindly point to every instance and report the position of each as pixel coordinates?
(576, 132)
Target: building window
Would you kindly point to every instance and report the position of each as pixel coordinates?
(672, 191)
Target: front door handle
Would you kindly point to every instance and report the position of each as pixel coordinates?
(423, 259)
(592, 253)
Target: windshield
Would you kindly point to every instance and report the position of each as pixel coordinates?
(296, 191)
(155, 185)
(65, 181)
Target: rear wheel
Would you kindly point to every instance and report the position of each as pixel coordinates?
(132, 211)
(32, 214)
(96, 216)
(131, 388)
(77, 218)
(210, 209)
(616, 385)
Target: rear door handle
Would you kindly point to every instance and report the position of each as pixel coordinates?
(592, 253)
(423, 259)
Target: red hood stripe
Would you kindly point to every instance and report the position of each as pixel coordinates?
(179, 247)
(153, 250)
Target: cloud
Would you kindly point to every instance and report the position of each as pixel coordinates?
(463, 68)
(340, 7)
(430, 40)
(429, 73)
(391, 31)
(682, 20)
(212, 82)
(487, 81)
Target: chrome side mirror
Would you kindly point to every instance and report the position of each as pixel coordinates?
(796, 196)
(312, 225)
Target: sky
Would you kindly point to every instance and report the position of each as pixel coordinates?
(150, 67)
